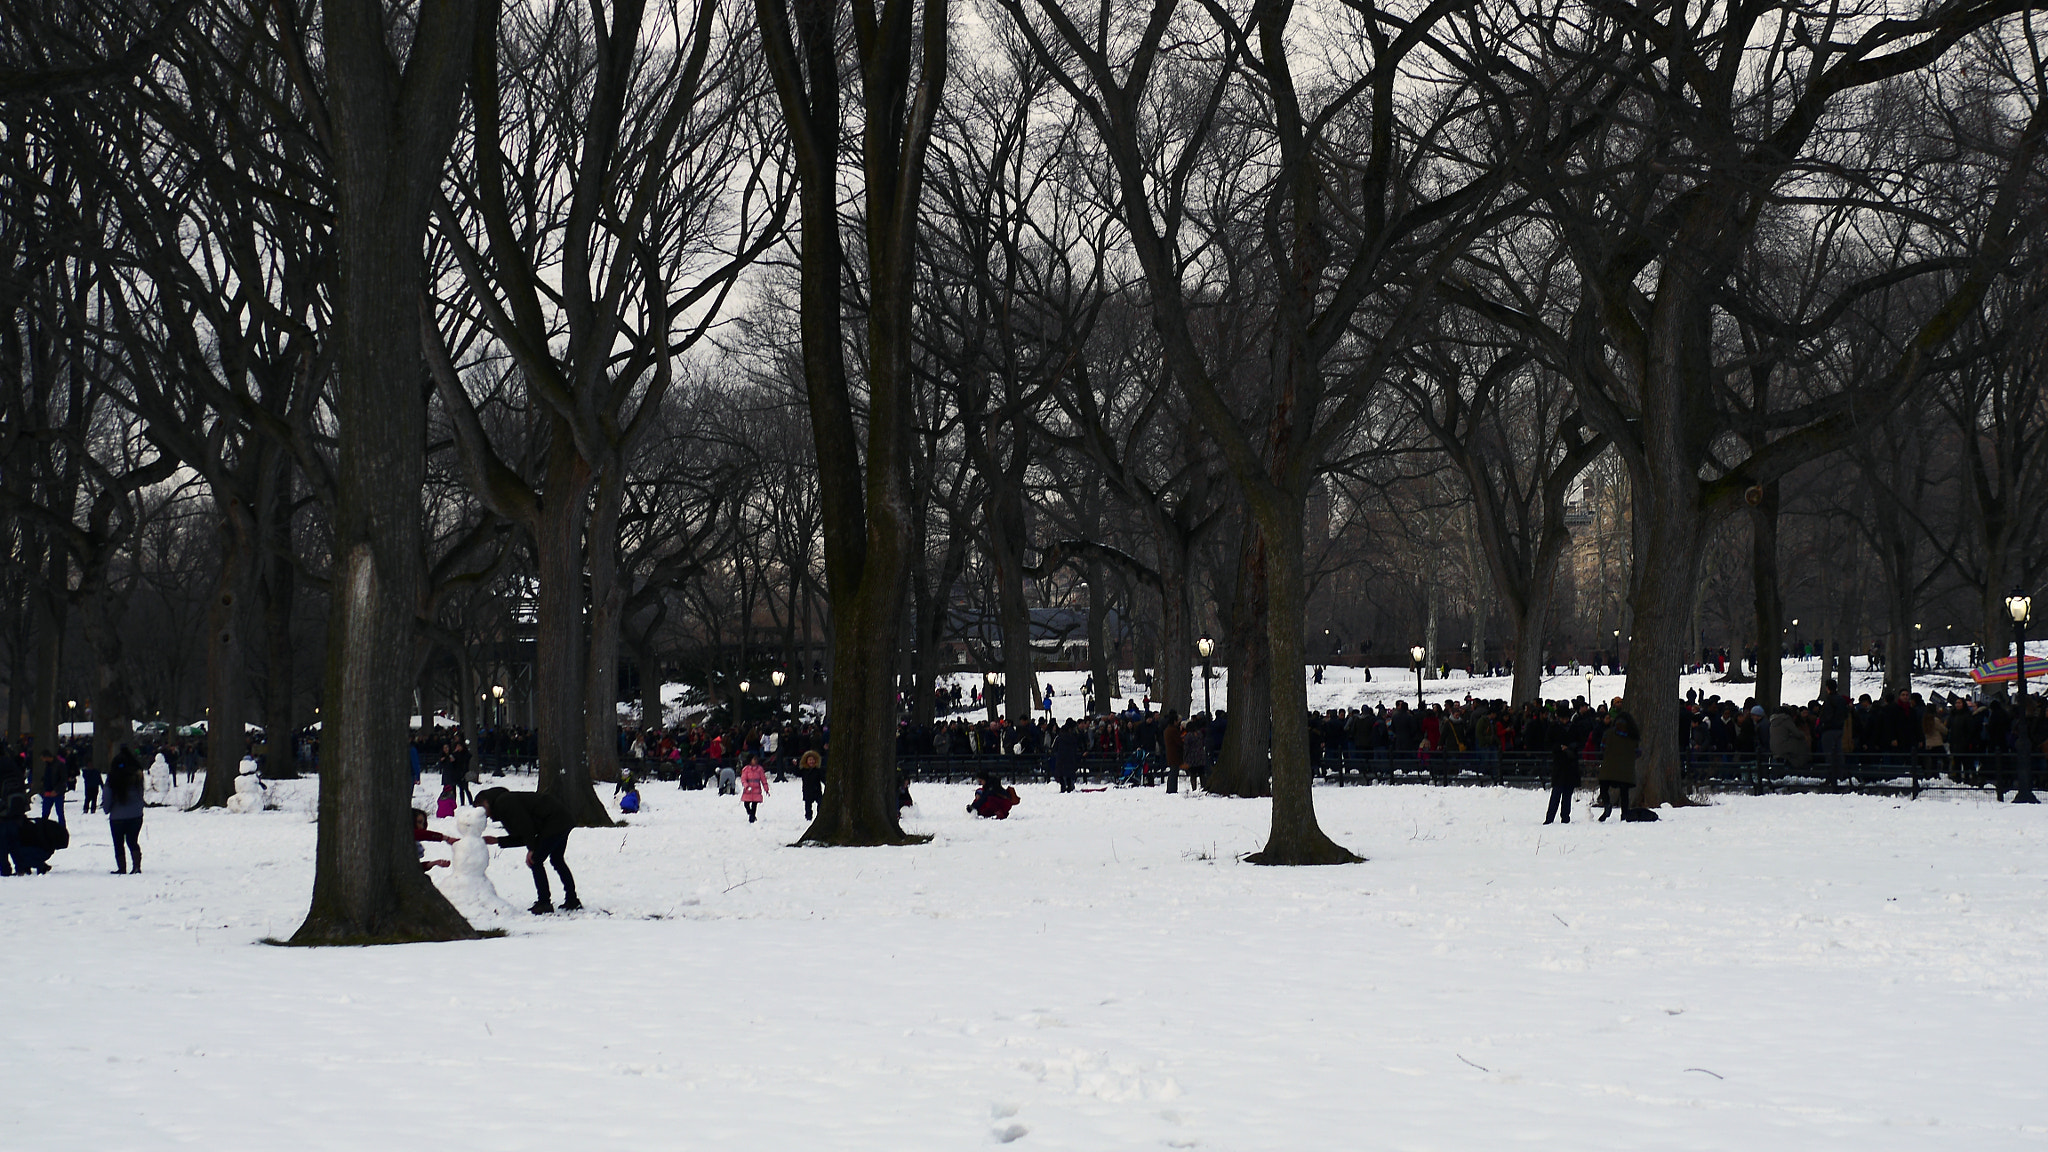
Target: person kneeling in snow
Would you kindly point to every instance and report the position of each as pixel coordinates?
(421, 834)
(538, 823)
(992, 801)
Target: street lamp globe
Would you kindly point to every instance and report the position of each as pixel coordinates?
(990, 676)
(2020, 606)
(1206, 647)
(498, 691)
(746, 687)
(1416, 653)
(779, 677)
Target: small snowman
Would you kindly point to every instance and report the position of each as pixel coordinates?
(157, 784)
(248, 795)
(466, 881)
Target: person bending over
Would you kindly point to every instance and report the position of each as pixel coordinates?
(537, 822)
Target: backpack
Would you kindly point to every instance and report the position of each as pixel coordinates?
(1639, 815)
(630, 802)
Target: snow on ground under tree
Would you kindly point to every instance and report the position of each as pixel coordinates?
(1098, 972)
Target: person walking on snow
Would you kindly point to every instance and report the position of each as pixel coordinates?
(753, 786)
(538, 823)
(124, 811)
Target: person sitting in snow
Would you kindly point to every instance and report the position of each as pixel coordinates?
(992, 801)
(537, 822)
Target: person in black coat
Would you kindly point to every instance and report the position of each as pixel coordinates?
(1066, 755)
(18, 857)
(1545, 734)
(810, 769)
(537, 822)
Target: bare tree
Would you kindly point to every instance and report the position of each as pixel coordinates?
(900, 55)
(1678, 140)
(391, 103)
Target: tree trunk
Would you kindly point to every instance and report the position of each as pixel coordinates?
(388, 146)
(646, 655)
(1430, 659)
(1176, 630)
(18, 695)
(1243, 766)
(100, 613)
(1531, 625)
(601, 675)
(1770, 604)
(279, 588)
(280, 685)
(51, 617)
(859, 807)
(1666, 570)
(561, 654)
(1007, 538)
(1295, 837)
(1102, 664)
(227, 621)
(863, 480)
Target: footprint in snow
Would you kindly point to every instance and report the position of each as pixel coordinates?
(1009, 1133)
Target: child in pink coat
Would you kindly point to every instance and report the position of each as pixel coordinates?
(753, 786)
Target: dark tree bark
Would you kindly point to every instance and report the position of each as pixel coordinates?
(1770, 600)
(391, 120)
(228, 620)
(1244, 765)
(901, 56)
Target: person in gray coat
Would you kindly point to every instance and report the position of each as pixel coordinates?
(1791, 738)
(1618, 753)
(124, 811)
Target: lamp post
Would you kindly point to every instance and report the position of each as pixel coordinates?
(1206, 648)
(2020, 607)
(778, 678)
(988, 693)
(1589, 687)
(739, 710)
(1415, 655)
(498, 698)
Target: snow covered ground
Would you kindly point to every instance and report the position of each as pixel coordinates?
(1786, 972)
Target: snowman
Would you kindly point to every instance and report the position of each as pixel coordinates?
(248, 795)
(466, 881)
(157, 785)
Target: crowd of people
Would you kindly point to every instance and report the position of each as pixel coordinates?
(1973, 739)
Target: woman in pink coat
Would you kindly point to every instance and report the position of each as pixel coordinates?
(753, 785)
